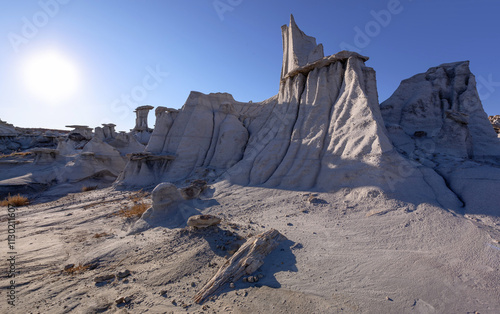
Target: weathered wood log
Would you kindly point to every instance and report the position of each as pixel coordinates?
(245, 261)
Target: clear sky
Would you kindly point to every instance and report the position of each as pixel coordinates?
(89, 62)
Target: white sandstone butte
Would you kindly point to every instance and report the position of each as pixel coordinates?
(323, 131)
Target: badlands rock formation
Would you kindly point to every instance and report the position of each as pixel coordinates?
(437, 119)
(141, 130)
(441, 107)
(76, 158)
(324, 130)
(389, 208)
(7, 129)
(14, 139)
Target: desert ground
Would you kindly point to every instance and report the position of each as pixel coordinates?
(352, 250)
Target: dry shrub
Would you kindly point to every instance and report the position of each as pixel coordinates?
(100, 235)
(138, 207)
(135, 211)
(89, 188)
(16, 200)
(22, 154)
(76, 269)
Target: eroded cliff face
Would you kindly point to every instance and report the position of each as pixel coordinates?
(441, 107)
(437, 119)
(325, 130)
(327, 113)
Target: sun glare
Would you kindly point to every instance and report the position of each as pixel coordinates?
(51, 76)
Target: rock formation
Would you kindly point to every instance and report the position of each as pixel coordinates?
(80, 132)
(7, 130)
(141, 130)
(169, 209)
(495, 121)
(323, 130)
(440, 107)
(437, 119)
(141, 120)
(106, 132)
(298, 48)
(164, 119)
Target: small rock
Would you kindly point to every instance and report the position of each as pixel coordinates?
(231, 285)
(203, 221)
(388, 299)
(193, 284)
(245, 279)
(104, 278)
(289, 224)
(260, 276)
(123, 274)
(120, 300)
(193, 190)
(250, 279)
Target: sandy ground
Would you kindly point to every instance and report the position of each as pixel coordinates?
(350, 251)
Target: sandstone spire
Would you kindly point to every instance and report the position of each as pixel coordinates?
(298, 48)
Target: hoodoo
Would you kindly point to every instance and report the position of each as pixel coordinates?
(324, 130)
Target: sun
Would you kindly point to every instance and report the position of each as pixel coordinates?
(51, 76)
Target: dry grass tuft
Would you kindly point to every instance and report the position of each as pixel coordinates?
(135, 211)
(100, 235)
(76, 269)
(138, 207)
(16, 200)
(22, 154)
(89, 188)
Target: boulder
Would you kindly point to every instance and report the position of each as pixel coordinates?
(203, 221)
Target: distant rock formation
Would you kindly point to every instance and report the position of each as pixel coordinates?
(495, 121)
(441, 107)
(141, 130)
(7, 129)
(13, 139)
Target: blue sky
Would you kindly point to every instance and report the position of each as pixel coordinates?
(155, 52)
